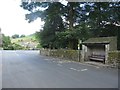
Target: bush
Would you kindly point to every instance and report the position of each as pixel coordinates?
(17, 46)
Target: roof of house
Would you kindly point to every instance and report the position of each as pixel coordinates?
(99, 40)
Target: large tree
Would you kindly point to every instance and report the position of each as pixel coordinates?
(104, 17)
(53, 21)
(65, 24)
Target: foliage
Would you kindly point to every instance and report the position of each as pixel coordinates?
(27, 42)
(25, 39)
(66, 24)
(22, 36)
(6, 43)
(102, 18)
(17, 46)
(15, 36)
(39, 46)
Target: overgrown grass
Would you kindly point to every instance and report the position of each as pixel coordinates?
(31, 39)
(25, 39)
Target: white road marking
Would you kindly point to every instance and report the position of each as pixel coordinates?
(97, 67)
(78, 70)
(89, 65)
(59, 64)
(73, 69)
(84, 69)
(47, 59)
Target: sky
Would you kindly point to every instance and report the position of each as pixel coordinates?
(12, 19)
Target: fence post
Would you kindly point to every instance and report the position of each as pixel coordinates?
(79, 42)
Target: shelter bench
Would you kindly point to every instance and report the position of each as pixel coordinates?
(97, 58)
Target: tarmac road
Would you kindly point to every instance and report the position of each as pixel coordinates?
(28, 69)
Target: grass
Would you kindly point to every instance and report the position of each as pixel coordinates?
(25, 39)
(28, 40)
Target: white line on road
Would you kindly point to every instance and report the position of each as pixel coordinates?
(84, 69)
(78, 70)
(73, 69)
(46, 59)
(59, 64)
(89, 65)
(97, 67)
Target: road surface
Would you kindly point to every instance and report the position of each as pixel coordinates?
(28, 69)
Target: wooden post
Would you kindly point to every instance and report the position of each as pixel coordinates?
(106, 53)
(79, 42)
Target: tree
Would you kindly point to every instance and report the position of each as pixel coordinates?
(77, 20)
(104, 19)
(100, 16)
(15, 36)
(17, 46)
(22, 36)
(53, 23)
(6, 43)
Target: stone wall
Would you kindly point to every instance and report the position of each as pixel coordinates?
(61, 53)
(114, 58)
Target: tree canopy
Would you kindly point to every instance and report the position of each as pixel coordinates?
(15, 36)
(66, 24)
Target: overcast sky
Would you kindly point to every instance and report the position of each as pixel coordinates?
(12, 19)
